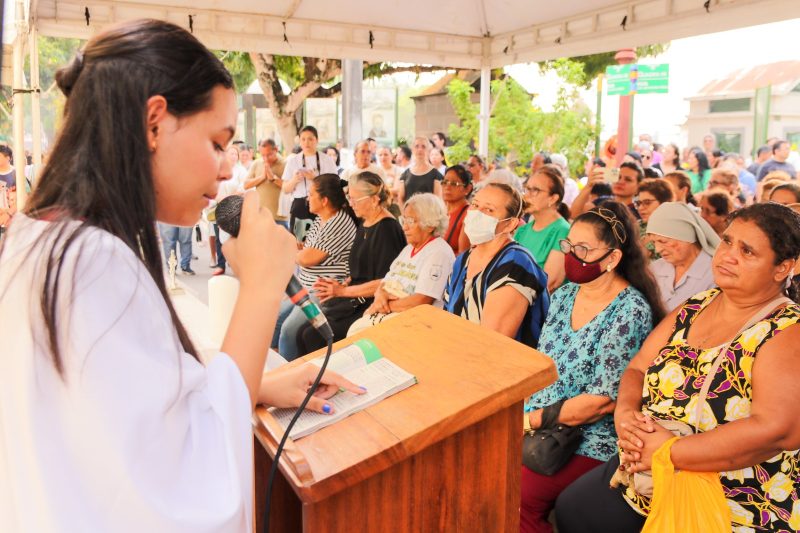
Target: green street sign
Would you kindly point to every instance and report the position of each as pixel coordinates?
(637, 79)
(618, 79)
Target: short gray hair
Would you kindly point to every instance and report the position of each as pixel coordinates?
(431, 212)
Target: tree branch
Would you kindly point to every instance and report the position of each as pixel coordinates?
(268, 80)
(328, 92)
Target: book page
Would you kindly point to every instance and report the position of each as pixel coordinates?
(381, 378)
(356, 355)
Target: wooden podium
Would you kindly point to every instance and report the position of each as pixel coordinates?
(442, 455)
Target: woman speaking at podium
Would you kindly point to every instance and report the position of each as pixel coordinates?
(108, 419)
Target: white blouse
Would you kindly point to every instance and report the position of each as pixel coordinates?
(137, 435)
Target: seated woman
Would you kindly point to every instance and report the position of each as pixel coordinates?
(418, 275)
(682, 185)
(747, 429)
(785, 194)
(549, 222)
(652, 193)
(379, 238)
(323, 255)
(456, 189)
(686, 244)
(497, 283)
(715, 206)
(595, 325)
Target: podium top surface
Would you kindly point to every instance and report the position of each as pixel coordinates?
(465, 373)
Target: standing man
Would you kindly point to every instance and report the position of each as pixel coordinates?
(171, 238)
(780, 153)
(762, 156)
(265, 175)
(709, 143)
(402, 157)
(363, 163)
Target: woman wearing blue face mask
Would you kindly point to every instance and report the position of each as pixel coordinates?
(497, 283)
(595, 325)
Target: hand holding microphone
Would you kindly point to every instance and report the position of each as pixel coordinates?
(262, 252)
(274, 245)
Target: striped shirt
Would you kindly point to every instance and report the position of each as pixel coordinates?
(335, 238)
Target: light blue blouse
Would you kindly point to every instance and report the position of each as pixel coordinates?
(591, 360)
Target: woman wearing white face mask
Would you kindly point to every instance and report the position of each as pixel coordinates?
(497, 283)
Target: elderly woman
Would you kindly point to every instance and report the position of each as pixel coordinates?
(549, 223)
(715, 206)
(652, 193)
(324, 254)
(595, 325)
(686, 244)
(747, 427)
(497, 283)
(379, 238)
(419, 274)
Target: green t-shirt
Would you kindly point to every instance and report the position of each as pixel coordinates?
(699, 183)
(541, 243)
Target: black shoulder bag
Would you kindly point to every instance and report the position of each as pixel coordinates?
(546, 450)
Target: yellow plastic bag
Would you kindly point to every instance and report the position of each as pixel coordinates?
(685, 502)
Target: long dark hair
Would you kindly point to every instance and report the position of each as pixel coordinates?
(702, 161)
(781, 225)
(331, 186)
(634, 265)
(99, 171)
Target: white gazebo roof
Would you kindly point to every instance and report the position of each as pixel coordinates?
(453, 33)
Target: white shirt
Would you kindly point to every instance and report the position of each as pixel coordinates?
(571, 191)
(233, 185)
(138, 435)
(425, 272)
(297, 161)
(349, 173)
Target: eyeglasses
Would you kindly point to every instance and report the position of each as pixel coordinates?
(646, 203)
(446, 183)
(407, 221)
(534, 190)
(581, 251)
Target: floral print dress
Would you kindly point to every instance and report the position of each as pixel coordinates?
(763, 497)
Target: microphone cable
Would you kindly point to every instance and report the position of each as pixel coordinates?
(294, 419)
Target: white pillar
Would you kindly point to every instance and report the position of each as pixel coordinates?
(352, 80)
(36, 111)
(19, 105)
(486, 98)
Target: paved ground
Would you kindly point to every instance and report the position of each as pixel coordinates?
(198, 285)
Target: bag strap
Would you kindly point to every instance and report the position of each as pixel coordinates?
(455, 224)
(550, 414)
(755, 318)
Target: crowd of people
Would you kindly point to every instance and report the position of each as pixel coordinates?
(662, 284)
(605, 279)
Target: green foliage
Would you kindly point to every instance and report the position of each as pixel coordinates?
(582, 70)
(54, 53)
(240, 67)
(517, 127)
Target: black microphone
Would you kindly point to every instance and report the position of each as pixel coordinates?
(229, 216)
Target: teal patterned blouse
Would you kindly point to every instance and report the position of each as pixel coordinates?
(591, 360)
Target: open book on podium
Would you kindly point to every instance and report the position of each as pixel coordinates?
(361, 363)
(441, 455)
